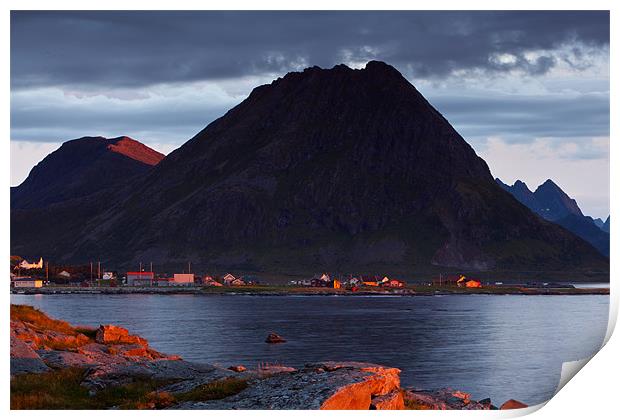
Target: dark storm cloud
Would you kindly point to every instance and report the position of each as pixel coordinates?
(129, 49)
(520, 118)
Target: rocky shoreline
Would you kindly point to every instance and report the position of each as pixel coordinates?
(106, 367)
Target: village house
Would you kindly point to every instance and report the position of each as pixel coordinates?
(26, 282)
(209, 281)
(370, 281)
(319, 283)
(181, 280)
(394, 283)
(108, 275)
(237, 282)
(140, 278)
(203, 280)
(473, 283)
(450, 280)
(64, 275)
(27, 266)
(227, 279)
(354, 281)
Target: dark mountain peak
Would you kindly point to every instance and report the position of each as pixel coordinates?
(555, 203)
(377, 71)
(521, 186)
(606, 226)
(549, 185)
(383, 69)
(82, 166)
(502, 184)
(551, 203)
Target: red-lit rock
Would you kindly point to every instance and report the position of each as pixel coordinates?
(274, 338)
(392, 401)
(512, 405)
(111, 334)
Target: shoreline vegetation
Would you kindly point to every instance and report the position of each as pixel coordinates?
(55, 365)
(275, 290)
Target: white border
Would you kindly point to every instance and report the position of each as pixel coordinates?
(593, 394)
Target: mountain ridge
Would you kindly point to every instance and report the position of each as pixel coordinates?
(81, 167)
(325, 169)
(551, 203)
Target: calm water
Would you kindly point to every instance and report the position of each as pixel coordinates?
(492, 346)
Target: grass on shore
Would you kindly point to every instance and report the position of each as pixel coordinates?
(41, 322)
(39, 319)
(62, 390)
(215, 390)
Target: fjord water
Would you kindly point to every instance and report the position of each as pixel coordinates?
(500, 347)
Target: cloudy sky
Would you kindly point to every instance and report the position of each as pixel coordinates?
(528, 90)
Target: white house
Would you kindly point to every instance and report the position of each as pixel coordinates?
(27, 266)
(228, 278)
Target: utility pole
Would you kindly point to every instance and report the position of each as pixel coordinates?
(189, 267)
(47, 272)
(91, 271)
(98, 269)
(151, 266)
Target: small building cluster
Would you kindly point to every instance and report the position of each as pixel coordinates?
(350, 282)
(33, 275)
(25, 281)
(457, 280)
(150, 279)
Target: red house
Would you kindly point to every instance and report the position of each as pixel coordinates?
(395, 283)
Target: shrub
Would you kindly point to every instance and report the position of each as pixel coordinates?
(37, 318)
(214, 390)
(62, 390)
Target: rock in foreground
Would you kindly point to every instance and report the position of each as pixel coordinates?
(325, 386)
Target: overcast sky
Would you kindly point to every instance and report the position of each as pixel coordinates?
(528, 90)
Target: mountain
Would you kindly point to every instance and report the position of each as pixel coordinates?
(81, 167)
(326, 169)
(599, 223)
(549, 201)
(553, 204)
(606, 227)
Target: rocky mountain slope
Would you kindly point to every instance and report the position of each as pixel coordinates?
(326, 169)
(82, 167)
(553, 204)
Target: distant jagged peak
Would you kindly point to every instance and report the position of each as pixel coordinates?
(522, 186)
(549, 185)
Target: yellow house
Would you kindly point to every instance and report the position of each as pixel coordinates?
(28, 283)
(473, 283)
